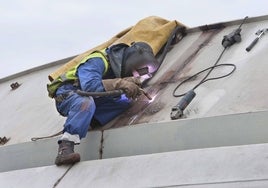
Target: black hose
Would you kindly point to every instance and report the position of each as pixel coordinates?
(100, 94)
(50, 136)
(205, 79)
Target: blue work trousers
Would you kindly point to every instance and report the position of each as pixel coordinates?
(80, 110)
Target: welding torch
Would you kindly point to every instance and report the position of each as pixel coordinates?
(113, 93)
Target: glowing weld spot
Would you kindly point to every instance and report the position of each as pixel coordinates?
(153, 98)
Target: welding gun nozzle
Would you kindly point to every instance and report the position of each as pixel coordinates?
(146, 94)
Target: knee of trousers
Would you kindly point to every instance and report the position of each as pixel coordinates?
(80, 115)
(85, 104)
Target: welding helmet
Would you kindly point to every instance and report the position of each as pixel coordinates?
(138, 60)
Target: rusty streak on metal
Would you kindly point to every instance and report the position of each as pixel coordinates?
(134, 114)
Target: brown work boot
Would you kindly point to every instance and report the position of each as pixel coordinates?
(66, 153)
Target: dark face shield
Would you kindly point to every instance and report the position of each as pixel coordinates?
(139, 60)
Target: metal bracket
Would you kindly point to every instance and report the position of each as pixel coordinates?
(4, 140)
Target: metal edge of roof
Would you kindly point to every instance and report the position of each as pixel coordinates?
(225, 24)
(41, 67)
(189, 30)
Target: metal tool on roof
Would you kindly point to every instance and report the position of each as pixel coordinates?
(177, 111)
(259, 34)
(145, 75)
(233, 37)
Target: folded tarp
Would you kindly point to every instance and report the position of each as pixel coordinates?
(153, 30)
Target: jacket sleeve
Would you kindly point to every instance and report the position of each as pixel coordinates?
(90, 75)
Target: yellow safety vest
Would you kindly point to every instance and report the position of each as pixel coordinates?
(70, 75)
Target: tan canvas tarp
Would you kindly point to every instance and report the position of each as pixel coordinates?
(153, 30)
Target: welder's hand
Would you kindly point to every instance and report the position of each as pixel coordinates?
(131, 89)
(134, 80)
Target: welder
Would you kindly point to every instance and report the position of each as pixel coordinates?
(106, 70)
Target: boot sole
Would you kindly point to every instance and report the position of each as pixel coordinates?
(71, 159)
